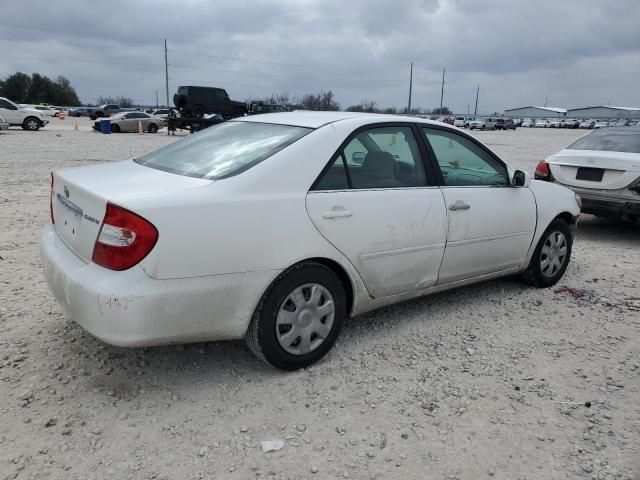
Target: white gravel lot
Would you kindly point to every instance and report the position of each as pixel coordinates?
(488, 381)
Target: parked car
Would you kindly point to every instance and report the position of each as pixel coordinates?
(587, 124)
(192, 242)
(127, 122)
(554, 123)
(601, 124)
(527, 123)
(483, 124)
(47, 111)
(196, 101)
(459, 122)
(541, 123)
(256, 108)
(448, 120)
(505, 124)
(4, 125)
(162, 112)
(80, 112)
(105, 110)
(570, 123)
(602, 167)
(27, 118)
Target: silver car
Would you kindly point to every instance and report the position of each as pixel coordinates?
(130, 122)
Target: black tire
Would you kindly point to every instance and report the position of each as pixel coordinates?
(153, 128)
(534, 275)
(197, 111)
(115, 128)
(32, 124)
(97, 115)
(238, 113)
(482, 128)
(261, 335)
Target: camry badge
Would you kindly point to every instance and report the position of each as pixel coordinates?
(66, 191)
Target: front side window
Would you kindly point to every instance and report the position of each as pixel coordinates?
(223, 150)
(462, 162)
(7, 105)
(383, 157)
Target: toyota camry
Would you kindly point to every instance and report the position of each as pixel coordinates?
(277, 227)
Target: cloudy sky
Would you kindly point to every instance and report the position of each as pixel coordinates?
(570, 52)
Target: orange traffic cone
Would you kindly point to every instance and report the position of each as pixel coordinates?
(61, 115)
(140, 131)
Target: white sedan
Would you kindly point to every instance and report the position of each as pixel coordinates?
(276, 227)
(602, 167)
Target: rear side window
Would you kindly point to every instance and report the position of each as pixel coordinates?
(381, 157)
(223, 150)
(609, 141)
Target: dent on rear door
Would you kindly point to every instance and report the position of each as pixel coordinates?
(395, 238)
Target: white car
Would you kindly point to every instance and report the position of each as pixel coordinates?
(27, 118)
(276, 227)
(602, 167)
(459, 122)
(527, 123)
(555, 123)
(483, 124)
(601, 124)
(587, 124)
(542, 123)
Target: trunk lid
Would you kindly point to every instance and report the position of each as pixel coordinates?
(80, 197)
(607, 170)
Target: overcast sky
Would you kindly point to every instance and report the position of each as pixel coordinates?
(572, 52)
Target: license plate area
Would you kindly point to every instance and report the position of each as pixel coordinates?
(590, 174)
(69, 219)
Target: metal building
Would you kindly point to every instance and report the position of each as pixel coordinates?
(604, 112)
(535, 112)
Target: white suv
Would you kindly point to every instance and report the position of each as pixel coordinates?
(27, 118)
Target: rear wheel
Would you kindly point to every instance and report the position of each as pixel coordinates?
(31, 124)
(115, 128)
(551, 256)
(197, 111)
(299, 318)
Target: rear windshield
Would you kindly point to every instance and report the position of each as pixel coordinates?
(609, 141)
(223, 150)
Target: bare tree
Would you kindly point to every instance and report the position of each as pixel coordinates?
(122, 101)
(319, 101)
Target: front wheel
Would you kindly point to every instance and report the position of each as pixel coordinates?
(31, 123)
(153, 128)
(551, 256)
(299, 318)
(115, 128)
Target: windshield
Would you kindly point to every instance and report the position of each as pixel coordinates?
(623, 140)
(223, 150)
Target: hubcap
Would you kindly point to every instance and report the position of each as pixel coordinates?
(553, 254)
(32, 124)
(305, 319)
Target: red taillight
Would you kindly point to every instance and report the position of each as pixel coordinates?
(125, 238)
(51, 201)
(542, 171)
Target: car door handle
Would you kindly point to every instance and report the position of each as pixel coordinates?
(459, 205)
(337, 212)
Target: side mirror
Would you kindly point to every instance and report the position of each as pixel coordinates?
(520, 179)
(358, 158)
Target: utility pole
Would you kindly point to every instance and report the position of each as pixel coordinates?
(157, 99)
(166, 70)
(545, 101)
(442, 89)
(410, 87)
(475, 112)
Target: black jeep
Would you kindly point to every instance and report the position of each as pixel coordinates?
(193, 101)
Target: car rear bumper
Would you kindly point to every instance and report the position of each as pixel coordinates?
(131, 309)
(616, 203)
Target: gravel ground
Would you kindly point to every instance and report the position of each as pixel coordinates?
(489, 381)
